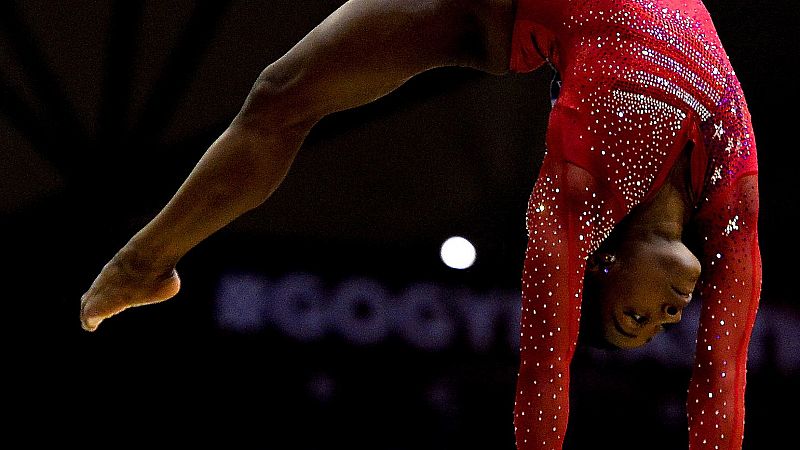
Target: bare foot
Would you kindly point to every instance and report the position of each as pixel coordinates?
(124, 283)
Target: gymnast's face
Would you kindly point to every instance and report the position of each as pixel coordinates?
(637, 290)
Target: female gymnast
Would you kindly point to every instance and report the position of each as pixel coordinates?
(647, 195)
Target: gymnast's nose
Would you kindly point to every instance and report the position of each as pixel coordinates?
(671, 313)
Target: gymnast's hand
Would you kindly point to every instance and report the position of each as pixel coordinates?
(125, 282)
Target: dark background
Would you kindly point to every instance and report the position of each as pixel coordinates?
(107, 105)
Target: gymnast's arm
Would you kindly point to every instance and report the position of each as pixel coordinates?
(730, 290)
(361, 52)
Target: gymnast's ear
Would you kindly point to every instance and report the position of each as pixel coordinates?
(600, 262)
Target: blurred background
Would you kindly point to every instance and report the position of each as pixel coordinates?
(326, 318)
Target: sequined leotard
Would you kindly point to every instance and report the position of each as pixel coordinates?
(640, 80)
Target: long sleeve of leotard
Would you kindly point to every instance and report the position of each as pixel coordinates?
(729, 291)
(730, 284)
(566, 221)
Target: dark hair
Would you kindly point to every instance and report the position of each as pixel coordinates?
(592, 331)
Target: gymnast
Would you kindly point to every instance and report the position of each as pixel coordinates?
(647, 197)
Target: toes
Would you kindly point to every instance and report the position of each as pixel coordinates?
(90, 324)
(88, 321)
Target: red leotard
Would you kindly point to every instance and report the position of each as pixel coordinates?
(640, 80)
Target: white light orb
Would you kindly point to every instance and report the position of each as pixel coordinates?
(458, 253)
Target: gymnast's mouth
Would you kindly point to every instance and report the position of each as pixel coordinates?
(684, 293)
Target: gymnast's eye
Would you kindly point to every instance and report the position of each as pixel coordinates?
(639, 319)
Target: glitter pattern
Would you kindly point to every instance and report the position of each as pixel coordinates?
(639, 81)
